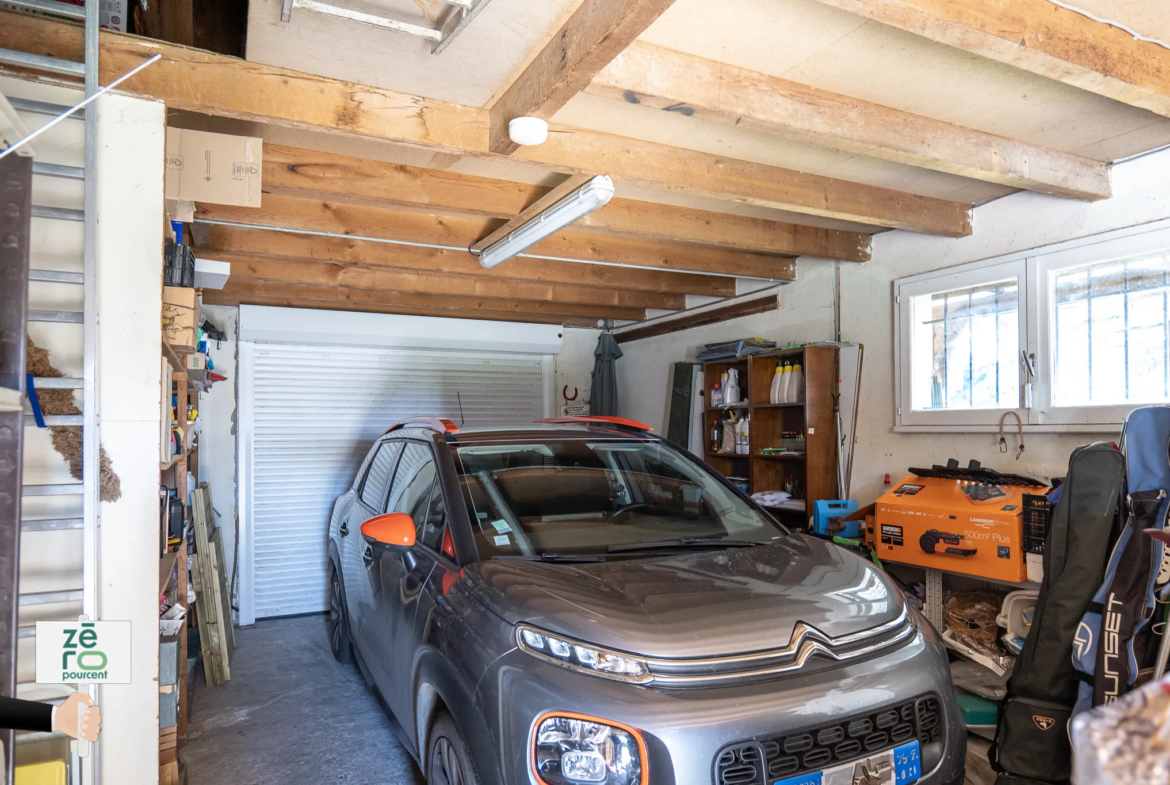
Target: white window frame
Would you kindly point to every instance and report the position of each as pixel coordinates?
(945, 281)
(1036, 269)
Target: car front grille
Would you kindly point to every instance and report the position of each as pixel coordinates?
(763, 761)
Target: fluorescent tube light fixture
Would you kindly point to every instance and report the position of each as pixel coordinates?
(507, 242)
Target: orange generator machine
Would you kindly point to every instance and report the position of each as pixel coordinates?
(960, 520)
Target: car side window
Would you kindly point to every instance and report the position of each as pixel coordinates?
(430, 528)
(412, 482)
(373, 489)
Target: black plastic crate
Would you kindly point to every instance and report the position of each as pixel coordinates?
(1037, 517)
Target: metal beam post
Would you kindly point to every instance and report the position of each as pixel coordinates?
(90, 435)
(15, 232)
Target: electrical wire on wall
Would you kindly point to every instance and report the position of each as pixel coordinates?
(1120, 26)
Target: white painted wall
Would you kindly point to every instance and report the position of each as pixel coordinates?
(645, 369)
(130, 160)
(574, 368)
(1015, 223)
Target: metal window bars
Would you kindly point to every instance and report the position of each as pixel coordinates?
(447, 26)
(16, 173)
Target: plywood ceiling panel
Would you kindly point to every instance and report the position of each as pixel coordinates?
(468, 72)
(679, 130)
(811, 43)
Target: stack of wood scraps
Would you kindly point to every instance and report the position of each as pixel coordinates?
(212, 600)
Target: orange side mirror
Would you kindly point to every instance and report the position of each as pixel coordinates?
(395, 529)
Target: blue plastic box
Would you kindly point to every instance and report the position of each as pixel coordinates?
(827, 515)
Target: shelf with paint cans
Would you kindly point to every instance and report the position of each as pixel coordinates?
(789, 446)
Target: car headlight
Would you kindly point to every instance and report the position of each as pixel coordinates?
(582, 657)
(575, 749)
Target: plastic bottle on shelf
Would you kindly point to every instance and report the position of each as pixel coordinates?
(727, 446)
(777, 377)
(785, 376)
(796, 384)
(716, 397)
(746, 445)
(731, 389)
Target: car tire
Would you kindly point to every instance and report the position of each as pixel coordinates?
(339, 642)
(448, 760)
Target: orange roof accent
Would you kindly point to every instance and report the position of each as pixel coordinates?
(599, 419)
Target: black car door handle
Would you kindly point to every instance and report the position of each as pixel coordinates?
(343, 530)
(368, 555)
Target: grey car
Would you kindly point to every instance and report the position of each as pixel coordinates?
(580, 602)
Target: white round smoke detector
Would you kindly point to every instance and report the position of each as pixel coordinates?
(527, 131)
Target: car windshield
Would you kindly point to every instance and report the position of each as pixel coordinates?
(593, 496)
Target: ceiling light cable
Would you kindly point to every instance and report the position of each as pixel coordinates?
(1136, 35)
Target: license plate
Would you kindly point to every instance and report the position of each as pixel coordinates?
(899, 766)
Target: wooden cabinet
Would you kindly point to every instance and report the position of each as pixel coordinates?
(812, 472)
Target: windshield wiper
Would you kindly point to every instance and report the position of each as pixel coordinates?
(685, 542)
(556, 557)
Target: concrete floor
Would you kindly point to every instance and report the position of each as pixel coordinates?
(291, 714)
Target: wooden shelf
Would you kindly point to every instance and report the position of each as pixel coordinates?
(166, 567)
(173, 358)
(812, 472)
(162, 467)
(799, 506)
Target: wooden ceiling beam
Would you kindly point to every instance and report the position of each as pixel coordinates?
(204, 82)
(322, 273)
(296, 172)
(261, 242)
(687, 321)
(597, 32)
(663, 79)
(289, 212)
(702, 174)
(1040, 37)
(468, 307)
(219, 297)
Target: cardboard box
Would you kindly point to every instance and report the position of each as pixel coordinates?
(180, 317)
(215, 168)
(112, 14)
(197, 362)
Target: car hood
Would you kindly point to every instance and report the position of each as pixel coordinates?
(694, 604)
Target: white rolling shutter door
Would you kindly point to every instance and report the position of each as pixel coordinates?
(317, 409)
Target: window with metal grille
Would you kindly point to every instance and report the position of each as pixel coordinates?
(973, 348)
(1111, 333)
(1068, 337)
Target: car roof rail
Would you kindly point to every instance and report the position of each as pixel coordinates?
(440, 424)
(598, 419)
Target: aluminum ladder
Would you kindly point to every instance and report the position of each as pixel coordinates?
(17, 269)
